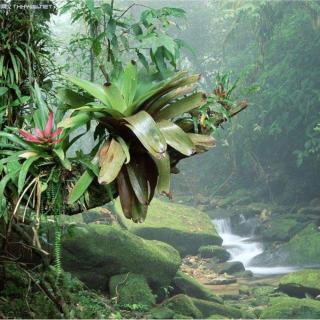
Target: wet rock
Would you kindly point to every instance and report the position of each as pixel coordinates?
(184, 283)
(95, 252)
(291, 308)
(229, 267)
(218, 253)
(300, 283)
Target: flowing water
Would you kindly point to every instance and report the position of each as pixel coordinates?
(244, 249)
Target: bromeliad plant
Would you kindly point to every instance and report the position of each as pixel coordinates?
(32, 169)
(143, 129)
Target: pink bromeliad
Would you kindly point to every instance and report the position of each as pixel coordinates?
(43, 137)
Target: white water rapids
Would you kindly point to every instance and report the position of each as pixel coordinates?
(244, 249)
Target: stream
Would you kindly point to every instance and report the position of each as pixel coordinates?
(244, 249)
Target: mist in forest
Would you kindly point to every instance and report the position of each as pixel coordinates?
(160, 159)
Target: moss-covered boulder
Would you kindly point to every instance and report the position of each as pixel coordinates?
(279, 229)
(130, 289)
(161, 312)
(183, 227)
(218, 253)
(291, 308)
(300, 283)
(302, 249)
(96, 252)
(183, 283)
(208, 308)
(182, 304)
(230, 267)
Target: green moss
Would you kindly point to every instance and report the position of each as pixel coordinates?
(96, 252)
(261, 295)
(182, 304)
(291, 308)
(208, 308)
(218, 253)
(161, 312)
(131, 289)
(278, 229)
(183, 227)
(303, 247)
(21, 299)
(184, 283)
(301, 282)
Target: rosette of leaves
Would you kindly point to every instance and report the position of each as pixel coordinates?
(143, 129)
(31, 165)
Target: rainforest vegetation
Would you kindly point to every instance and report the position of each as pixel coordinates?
(159, 159)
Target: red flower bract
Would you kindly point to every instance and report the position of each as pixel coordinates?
(43, 137)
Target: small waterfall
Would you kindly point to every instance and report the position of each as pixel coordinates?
(240, 248)
(244, 249)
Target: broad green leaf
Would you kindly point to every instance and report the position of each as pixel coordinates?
(112, 163)
(163, 166)
(24, 171)
(15, 66)
(71, 98)
(98, 108)
(81, 186)
(168, 98)
(40, 116)
(14, 138)
(3, 90)
(96, 90)
(115, 98)
(129, 83)
(75, 121)
(156, 89)
(92, 165)
(176, 137)
(181, 106)
(146, 130)
(64, 161)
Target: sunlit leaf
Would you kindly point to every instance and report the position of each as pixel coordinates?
(176, 137)
(146, 130)
(112, 163)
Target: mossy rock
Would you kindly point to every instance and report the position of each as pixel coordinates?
(208, 308)
(183, 283)
(96, 252)
(131, 289)
(161, 312)
(300, 283)
(182, 304)
(230, 267)
(279, 229)
(303, 248)
(183, 227)
(218, 253)
(291, 308)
